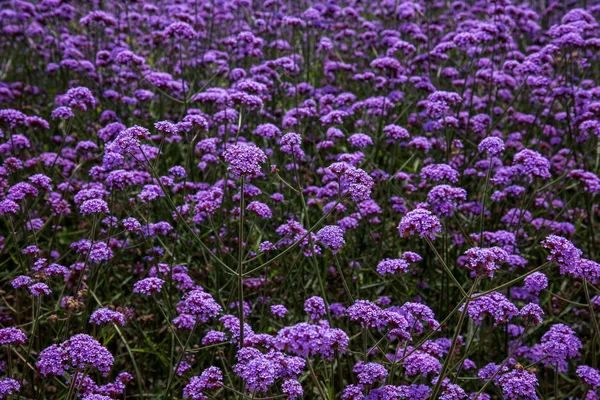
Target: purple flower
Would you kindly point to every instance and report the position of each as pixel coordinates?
(213, 337)
(440, 172)
(80, 98)
(12, 118)
(518, 384)
(94, 206)
(315, 307)
(12, 336)
(444, 199)
(590, 181)
(21, 190)
(396, 132)
(562, 252)
(332, 236)
(180, 30)
(589, 375)
(210, 378)
(244, 160)
(8, 206)
(536, 282)
(484, 261)
(412, 392)
(232, 324)
(420, 362)
(62, 113)
(21, 281)
(39, 289)
(492, 146)
(279, 310)
(370, 373)
(307, 340)
(560, 343)
(128, 140)
(261, 209)
(132, 224)
(360, 140)
(268, 131)
(291, 140)
(8, 386)
(421, 222)
(292, 388)
(532, 312)
(79, 352)
(453, 392)
(495, 305)
(367, 313)
(41, 180)
(106, 315)
(148, 286)
(96, 397)
(414, 312)
(392, 266)
(200, 305)
(353, 392)
(266, 246)
(260, 371)
(532, 164)
(354, 181)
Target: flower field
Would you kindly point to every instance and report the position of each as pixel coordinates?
(285, 199)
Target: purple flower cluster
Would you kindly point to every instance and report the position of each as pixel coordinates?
(79, 352)
(148, 286)
(494, 305)
(332, 237)
(560, 343)
(8, 386)
(210, 378)
(314, 307)
(260, 371)
(196, 306)
(310, 340)
(419, 222)
(12, 336)
(106, 316)
(395, 265)
(483, 262)
(244, 160)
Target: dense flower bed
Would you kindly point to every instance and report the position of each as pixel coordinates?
(379, 199)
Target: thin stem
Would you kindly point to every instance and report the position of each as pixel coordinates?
(240, 271)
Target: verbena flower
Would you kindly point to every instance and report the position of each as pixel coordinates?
(560, 343)
(8, 386)
(210, 378)
(492, 146)
(589, 375)
(483, 262)
(279, 310)
(315, 307)
(244, 160)
(536, 282)
(199, 305)
(79, 352)
(420, 222)
(494, 305)
(370, 373)
(148, 286)
(332, 237)
(12, 336)
(105, 315)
